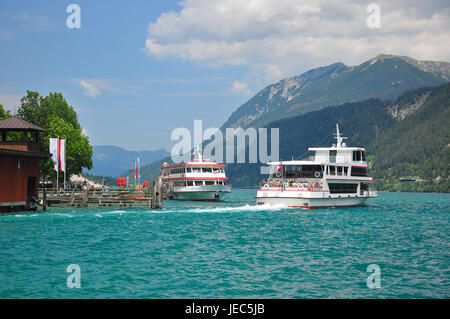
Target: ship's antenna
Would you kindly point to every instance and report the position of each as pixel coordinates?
(199, 154)
(339, 138)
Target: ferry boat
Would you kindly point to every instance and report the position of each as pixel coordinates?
(200, 179)
(335, 176)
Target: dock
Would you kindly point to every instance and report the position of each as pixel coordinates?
(146, 198)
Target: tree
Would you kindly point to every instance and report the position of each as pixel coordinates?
(53, 113)
(4, 113)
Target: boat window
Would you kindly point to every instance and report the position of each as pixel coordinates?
(333, 156)
(198, 183)
(197, 170)
(359, 171)
(207, 170)
(342, 188)
(332, 170)
(179, 183)
(363, 155)
(177, 170)
(339, 170)
(345, 171)
(356, 156)
(190, 183)
(188, 170)
(209, 182)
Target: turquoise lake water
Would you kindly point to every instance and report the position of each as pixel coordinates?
(231, 249)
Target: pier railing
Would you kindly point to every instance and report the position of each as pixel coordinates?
(100, 197)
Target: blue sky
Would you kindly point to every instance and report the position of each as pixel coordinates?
(143, 99)
(136, 70)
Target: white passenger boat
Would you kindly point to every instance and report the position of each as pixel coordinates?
(200, 179)
(334, 177)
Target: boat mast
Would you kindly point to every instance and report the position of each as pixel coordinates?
(198, 153)
(339, 138)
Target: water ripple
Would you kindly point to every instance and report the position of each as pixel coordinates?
(231, 249)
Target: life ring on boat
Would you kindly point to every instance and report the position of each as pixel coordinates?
(266, 186)
(278, 174)
(278, 183)
(286, 184)
(317, 174)
(300, 187)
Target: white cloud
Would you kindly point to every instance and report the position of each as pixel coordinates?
(90, 89)
(239, 88)
(84, 132)
(280, 38)
(94, 87)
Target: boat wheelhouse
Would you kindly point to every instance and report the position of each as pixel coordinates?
(335, 176)
(200, 179)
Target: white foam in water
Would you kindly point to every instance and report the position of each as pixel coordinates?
(25, 215)
(114, 212)
(244, 208)
(62, 214)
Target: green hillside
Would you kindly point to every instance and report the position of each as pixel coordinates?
(417, 147)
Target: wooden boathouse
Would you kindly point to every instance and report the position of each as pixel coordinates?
(20, 154)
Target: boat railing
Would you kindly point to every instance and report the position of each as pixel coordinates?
(300, 184)
(117, 192)
(333, 159)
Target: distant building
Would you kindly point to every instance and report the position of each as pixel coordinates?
(19, 164)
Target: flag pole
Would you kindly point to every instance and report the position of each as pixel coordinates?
(65, 168)
(57, 176)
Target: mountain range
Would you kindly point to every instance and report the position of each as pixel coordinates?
(383, 77)
(111, 160)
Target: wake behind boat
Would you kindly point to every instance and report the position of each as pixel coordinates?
(200, 179)
(335, 177)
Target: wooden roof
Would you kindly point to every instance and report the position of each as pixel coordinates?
(14, 123)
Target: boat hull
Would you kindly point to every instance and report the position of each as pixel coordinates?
(201, 193)
(309, 200)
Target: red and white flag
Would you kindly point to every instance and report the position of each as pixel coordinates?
(58, 150)
(135, 170)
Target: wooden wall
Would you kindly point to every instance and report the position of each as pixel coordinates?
(13, 181)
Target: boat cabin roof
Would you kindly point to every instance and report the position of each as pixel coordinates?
(342, 148)
(292, 163)
(194, 164)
